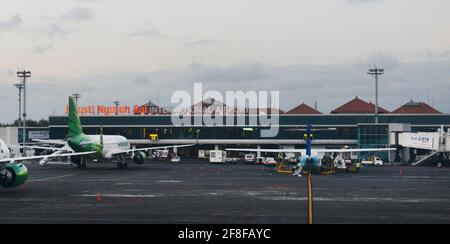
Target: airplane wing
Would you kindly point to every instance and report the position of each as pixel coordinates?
(267, 150)
(353, 150)
(303, 151)
(13, 160)
(150, 148)
(56, 142)
(38, 147)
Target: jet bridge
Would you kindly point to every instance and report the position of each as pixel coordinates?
(436, 143)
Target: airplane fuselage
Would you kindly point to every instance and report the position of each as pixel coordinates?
(111, 144)
(11, 174)
(310, 163)
(4, 150)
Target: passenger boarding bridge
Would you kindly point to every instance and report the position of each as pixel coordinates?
(436, 144)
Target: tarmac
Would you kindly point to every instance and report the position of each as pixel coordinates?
(196, 192)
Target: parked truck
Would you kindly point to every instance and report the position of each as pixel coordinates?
(373, 161)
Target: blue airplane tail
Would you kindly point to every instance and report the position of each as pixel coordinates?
(308, 140)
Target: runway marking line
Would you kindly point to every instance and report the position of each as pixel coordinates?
(119, 195)
(54, 178)
(310, 200)
(169, 181)
(214, 171)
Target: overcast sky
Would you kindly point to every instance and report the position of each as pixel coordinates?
(309, 50)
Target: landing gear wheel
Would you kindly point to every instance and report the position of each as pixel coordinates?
(5, 177)
(79, 162)
(81, 165)
(122, 163)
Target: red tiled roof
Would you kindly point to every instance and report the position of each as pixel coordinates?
(152, 108)
(260, 111)
(416, 108)
(303, 109)
(211, 106)
(358, 106)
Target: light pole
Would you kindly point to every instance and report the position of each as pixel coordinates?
(77, 96)
(24, 75)
(117, 103)
(19, 122)
(377, 73)
(20, 87)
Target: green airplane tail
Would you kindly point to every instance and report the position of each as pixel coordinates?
(74, 120)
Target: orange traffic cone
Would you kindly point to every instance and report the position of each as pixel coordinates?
(98, 198)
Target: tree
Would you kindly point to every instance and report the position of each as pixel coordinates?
(30, 123)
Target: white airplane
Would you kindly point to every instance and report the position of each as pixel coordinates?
(4, 150)
(309, 158)
(80, 148)
(97, 147)
(12, 173)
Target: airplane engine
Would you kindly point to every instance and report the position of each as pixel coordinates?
(139, 157)
(13, 175)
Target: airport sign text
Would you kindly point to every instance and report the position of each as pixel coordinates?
(102, 110)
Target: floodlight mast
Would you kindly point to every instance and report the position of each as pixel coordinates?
(19, 86)
(376, 72)
(24, 75)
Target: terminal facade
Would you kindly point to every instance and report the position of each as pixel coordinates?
(353, 127)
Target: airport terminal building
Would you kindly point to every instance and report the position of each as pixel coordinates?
(353, 127)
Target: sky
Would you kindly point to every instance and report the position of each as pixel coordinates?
(140, 50)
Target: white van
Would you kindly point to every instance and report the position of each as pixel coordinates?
(375, 161)
(217, 156)
(250, 158)
(267, 160)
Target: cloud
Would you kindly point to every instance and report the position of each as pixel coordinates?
(43, 48)
(362, 2)
(434, 54)
(329, 85)
(55, 31)
(388, 61)
(14, 22)
(153, 33)
(89, 1)
(78, 14)
(236, 73)
(426, 54)
(445, 54)
(199, 43)
(141, 80)
(8, 73)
